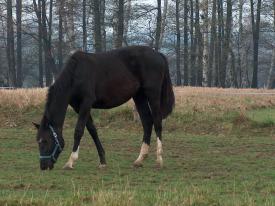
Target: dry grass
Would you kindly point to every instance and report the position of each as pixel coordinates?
(22, 98)
(216, 99)
(187, 99)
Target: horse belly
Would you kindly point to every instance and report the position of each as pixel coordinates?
(115, 93)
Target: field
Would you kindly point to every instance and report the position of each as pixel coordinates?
(219, 149)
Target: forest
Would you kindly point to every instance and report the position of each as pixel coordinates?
(209, 43)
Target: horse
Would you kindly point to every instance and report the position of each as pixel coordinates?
(102, 81)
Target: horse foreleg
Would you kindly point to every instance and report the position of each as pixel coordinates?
(84, 113)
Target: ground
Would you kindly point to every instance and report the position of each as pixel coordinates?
(219, 149)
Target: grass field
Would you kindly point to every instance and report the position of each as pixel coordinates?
(219, 149)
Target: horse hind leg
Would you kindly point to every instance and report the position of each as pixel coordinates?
(93, 132)
(154, 102)
(147, 123)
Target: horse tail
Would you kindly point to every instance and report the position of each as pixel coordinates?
(167, 101)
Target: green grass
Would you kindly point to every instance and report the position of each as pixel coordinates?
(209, 159)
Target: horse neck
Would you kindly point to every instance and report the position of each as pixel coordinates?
(57, 108)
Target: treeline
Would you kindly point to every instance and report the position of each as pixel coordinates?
(220, 43)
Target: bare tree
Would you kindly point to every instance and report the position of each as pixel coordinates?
(97, 26)
(126, 20)
(271, 77)
(186, 59)
(178, 44)
(119, 27)
(10, 45)
(37, 9)
(19, 43)
(212, 48)
(226, 43)
(60, 34)
(199, 47)
(163, 22)
(84, 28)
(256, 35)
(102, 20)
(158, 27)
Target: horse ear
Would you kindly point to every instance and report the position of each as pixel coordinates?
(37, 126)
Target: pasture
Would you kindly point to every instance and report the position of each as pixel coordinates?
(219, 149)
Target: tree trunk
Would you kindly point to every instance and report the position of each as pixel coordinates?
(226, 43)
(163, 22)
(84, 28)
(256, 35)
(60, 35)
(120, 24)
(10, 45)
(178, 44)
(186, 60)
(50, 69)
(219, 46)
(271, 77)
(127, 19)
(239, 42)
(102, 20)
(205, 38)
(97, 27)
(158, 27)
(193, 47)
(37, 9)
(199, 47)
(212, 48)
(19, 43)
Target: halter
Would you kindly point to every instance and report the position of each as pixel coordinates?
(55, 149)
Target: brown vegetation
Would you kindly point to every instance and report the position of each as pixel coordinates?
(196, 99)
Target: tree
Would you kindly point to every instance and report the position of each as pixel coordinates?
(97, 26)
(163, 22)
(60, 34)
(226, 43)
(186, 61)
(19, 43)
(10, 45)
(271, 77)
(178, 44)
(102, 20)
(158, 27)
(84, 29)
(37, 9)
(120, 24)
(212, 48)
(199, 47)
(193, 42)
(256, 35)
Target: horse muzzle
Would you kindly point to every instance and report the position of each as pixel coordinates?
(46, 164)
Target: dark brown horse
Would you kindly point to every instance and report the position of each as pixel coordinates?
(106, 80)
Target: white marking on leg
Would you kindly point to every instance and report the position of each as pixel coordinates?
(144, 150)
(159, 153)
(73, 157)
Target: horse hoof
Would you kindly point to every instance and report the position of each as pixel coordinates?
(159, 165)
(137, 164)
(102, 166)
(68, 167)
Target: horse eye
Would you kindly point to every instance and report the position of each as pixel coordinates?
(42, 141)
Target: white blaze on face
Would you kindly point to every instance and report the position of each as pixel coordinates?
(143, 154)
(159, 153)
(73, 157)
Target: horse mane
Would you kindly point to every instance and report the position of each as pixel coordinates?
(63, 83)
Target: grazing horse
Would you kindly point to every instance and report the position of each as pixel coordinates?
(106, 80)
